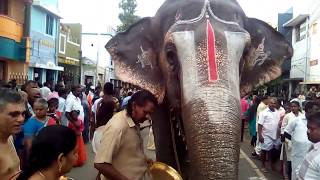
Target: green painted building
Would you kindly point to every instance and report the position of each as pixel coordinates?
(69, 53)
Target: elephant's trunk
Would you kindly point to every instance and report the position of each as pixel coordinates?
(211, 121)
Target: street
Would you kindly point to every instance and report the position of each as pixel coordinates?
(248, 167)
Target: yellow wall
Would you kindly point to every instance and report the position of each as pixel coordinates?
(11, 29)
(16, 10)
(11, 26)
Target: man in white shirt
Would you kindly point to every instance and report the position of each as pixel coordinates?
(261, 107)
(287, 145)
(62, 105)
(45, 90)
(310, 166)
(296, 131)
(268, 125)
(73, 102)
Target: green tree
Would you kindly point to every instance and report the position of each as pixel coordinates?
(127, 16)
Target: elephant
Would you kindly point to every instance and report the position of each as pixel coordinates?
(199, 57)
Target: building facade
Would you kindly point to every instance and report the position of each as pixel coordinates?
(44, 27)
(94, 53)
(14, 41)
(283, 83)
(89, 71)
(69, 53)
(305, 67)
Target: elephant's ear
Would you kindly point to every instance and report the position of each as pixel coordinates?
(135, 58)
(261, 61)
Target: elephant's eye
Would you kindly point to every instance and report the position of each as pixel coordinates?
(171, 54)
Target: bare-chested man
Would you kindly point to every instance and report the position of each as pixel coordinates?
(11, 118)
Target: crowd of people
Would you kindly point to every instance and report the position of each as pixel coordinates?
(43, 130)
(285, 132)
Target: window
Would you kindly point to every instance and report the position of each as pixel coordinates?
(314, 28)
(301, 31)
(2, 70)
(111, 63)
(4, 7)
(62, 44)
(49, 24)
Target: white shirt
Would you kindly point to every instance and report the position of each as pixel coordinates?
(30, 109)
(74, 103)
(97, 136)
(62, 109)
(288, 118)
(94, 108)
(62, 104)
(269, 120)
(310, 167)
(261, 107)
(45, 91)
(300, 143)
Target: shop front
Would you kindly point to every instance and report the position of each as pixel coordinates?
(43, 65)
(71, 74)
(89, 74)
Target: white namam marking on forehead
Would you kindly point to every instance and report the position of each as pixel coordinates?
(185, 45)
(236, 42)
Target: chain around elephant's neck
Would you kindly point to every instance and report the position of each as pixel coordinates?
(177, 131)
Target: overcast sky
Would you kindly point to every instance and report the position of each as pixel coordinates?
(97, 15)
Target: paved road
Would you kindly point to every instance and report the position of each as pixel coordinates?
(248, 167)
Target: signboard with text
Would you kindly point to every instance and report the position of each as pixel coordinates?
(314, 62)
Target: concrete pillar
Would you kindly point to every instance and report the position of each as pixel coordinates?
(290, 90)
(43, 75)
(30, 73)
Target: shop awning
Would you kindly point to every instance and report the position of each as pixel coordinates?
(310, 82)
(47, 66)
(292, 79)
(295, 21)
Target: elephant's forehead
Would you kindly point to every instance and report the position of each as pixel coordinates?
(197, 66)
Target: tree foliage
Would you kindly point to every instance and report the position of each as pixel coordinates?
(127, 15)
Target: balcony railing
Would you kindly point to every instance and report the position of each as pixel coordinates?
(10, 28)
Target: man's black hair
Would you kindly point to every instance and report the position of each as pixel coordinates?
(62, 91)
(264, 97)
(314, 117)
(75, 87)
(108, 88)
(9, 96)
(141, 98)
(30, 82)
(311, 108)
(46, 84)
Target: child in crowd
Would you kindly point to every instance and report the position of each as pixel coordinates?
(77, 125)
(35, 123)
(53, 113)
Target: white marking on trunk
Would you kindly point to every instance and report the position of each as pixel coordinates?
(236, 42)
(185, 45)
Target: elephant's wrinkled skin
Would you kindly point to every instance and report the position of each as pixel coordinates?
(199, 57)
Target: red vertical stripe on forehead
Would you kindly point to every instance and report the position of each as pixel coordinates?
(213, 75)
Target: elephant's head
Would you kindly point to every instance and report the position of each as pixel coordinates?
(202, 56)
